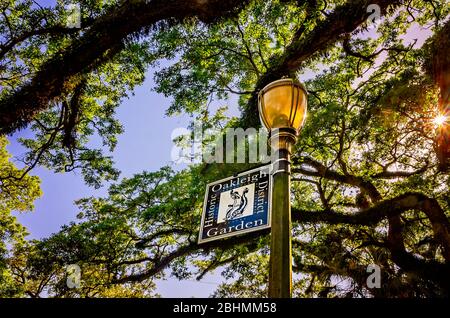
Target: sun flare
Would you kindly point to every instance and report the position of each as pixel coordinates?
(440, 120)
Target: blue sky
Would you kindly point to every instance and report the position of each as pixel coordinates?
(145, 145)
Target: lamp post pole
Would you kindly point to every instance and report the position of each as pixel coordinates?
(282, 109)
(280, 275)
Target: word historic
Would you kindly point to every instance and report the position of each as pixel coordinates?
(237, 205)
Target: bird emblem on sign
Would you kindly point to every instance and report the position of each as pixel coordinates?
(236, 209)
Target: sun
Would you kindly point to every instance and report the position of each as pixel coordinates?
(440, 120)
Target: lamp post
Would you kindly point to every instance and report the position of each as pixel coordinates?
(282, 109)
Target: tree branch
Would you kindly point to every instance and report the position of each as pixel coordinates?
(51, 30)
(325, 172)
(106, 35)
(387, 209)
(345, 19)
(250, 240)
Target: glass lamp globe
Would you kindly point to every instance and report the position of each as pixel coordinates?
(282, 104)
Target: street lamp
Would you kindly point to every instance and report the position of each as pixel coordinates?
(282, 109)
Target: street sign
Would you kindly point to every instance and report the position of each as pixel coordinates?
(237, 205)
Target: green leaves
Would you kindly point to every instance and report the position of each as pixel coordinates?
(18, 191)
(368, 137)
(210, 62)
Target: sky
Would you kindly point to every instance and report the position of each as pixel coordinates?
(145, 145)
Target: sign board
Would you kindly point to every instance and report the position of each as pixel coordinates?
(237, 205)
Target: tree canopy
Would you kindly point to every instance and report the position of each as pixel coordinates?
(370, 181)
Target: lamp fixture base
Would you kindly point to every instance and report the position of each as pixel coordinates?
(281, 141)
